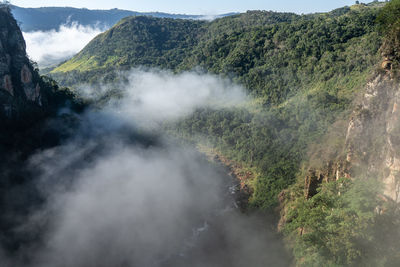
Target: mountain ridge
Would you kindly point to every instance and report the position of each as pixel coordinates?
(32, 19)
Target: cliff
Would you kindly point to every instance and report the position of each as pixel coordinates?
(26, 98)
(373, 134)
(372, 139)
(20, 83)
(349, 196)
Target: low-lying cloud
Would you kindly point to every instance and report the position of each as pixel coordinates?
(48, 48)
(131, 206)
(153, 97)
(116, 194)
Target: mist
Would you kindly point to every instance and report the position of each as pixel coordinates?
(119, 192)
(150, 98)
(49, 48)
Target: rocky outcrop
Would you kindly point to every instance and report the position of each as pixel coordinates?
(331, 172)
(20, 89)
(371, 148)
(372, 145)
(373, 134)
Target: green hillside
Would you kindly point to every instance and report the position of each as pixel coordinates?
(147, 39)
(137, 41)
(272, 54)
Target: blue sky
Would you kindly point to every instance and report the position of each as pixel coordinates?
(196, 7)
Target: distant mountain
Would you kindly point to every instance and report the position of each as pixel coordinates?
(50, 18)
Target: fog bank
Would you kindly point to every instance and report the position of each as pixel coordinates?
(49, 48)
(119, 192)
(149, 98)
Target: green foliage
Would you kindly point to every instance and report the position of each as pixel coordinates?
(389, 16)
(57, 97)
(346, 224)
(274, 55)
(305, 71)
(389, 22)
(275, 61)
(249, 138)
(274, 141)
(138, 41)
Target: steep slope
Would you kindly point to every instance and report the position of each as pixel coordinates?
(25, 97)
(151, 42)
(20, 84)
(372, 140)
(349, 196)
(137, 41)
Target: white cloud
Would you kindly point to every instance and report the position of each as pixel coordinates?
(118, 196)
(52, 47)
(152, 97)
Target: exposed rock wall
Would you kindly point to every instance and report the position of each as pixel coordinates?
(331, 172)
(373, 134)
(20, 89)
(372, 146)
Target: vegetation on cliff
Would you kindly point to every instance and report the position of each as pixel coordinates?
(389, 22)
(347, 223)
(354, 222)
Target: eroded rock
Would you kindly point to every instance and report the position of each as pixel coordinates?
(7, 84)
(20, 92)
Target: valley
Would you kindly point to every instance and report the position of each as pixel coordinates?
(254, 139)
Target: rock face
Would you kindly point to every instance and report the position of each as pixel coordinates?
(372, 145)
(373, 135)
(331, 172)
(20, 89)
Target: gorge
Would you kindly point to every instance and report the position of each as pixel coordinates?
(302, 109)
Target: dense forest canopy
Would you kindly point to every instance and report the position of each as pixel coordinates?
(272, 54)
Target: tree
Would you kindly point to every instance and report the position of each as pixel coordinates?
(389, 16)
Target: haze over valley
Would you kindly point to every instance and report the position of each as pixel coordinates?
(257, 138)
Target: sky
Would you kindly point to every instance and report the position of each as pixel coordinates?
(203, 7)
